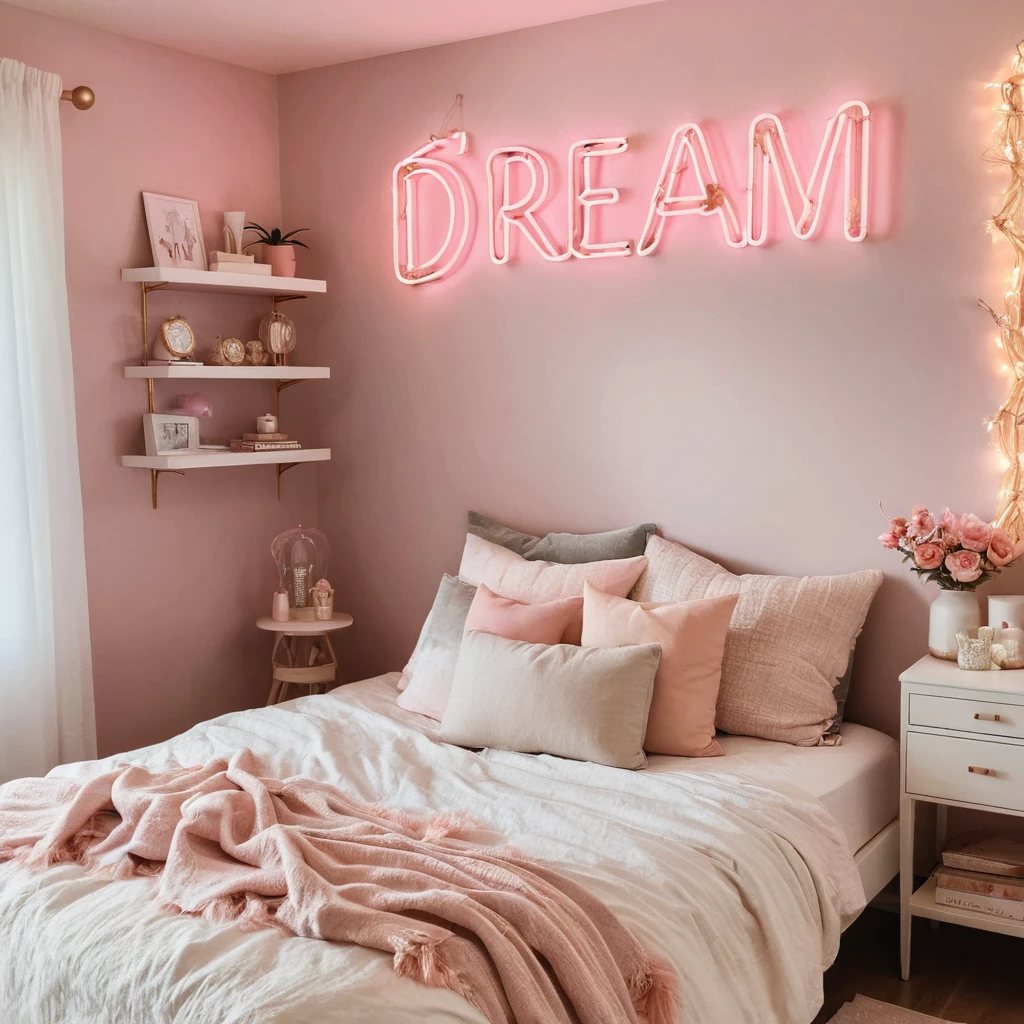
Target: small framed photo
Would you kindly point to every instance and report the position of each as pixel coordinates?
(170, 434)
(175, 233)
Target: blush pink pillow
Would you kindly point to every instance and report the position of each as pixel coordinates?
(533, 623)
(692, 638)
(536, 582)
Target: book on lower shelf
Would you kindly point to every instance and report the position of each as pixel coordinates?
(992, 853)
(979, 883)
(1009, 910)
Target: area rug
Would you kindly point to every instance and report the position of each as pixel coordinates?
(870, 1011)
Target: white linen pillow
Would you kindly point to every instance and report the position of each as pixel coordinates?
(788, 642)
(585, 703)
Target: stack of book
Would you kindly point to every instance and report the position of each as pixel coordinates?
(263, 443)
(238, 263)
(983, 871)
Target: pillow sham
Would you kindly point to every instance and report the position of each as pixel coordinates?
(515, 620)
(585, 703)
(692, 638)
(509, 574)
(567, 548)
(788, 642)
(432, 664)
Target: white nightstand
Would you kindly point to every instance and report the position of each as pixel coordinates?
(962, 745)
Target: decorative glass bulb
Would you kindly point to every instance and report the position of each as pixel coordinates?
(302, 556)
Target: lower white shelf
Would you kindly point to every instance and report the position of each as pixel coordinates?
(214, 460)
(922, 904)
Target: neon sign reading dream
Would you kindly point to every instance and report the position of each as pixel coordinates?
(519, 188)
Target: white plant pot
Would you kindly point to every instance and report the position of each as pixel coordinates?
(951, 611)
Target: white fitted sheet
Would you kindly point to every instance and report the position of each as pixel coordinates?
(857, 781)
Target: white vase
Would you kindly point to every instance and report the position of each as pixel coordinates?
(951, 611)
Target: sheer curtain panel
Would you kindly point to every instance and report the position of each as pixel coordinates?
(46, 709)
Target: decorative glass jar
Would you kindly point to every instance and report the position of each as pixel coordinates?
(302, 556)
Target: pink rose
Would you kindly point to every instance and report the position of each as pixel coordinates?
(899, 527)
(889, 540)
(922, 522)
(1000, 547)
(975, 533)
(950, 524)
(928, 555)
(964, 566)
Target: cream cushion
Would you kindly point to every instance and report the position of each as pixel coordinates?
(788, 642)
(535, 582)
(586, 703)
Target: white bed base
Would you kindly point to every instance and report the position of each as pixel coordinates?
(878, 860)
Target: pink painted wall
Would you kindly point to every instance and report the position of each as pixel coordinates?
(757, 404)
(174, 593)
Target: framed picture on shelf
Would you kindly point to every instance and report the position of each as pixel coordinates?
(170, 433)
(175, 233)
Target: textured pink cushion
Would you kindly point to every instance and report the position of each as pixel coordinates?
(510, 574)
(514, 620)
(692, 638)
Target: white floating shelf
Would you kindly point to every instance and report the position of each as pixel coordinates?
(213, 460)
(177, 279)
(165, 372)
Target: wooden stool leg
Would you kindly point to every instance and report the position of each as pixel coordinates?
(275, 684)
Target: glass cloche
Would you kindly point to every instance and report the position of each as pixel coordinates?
(302, 556)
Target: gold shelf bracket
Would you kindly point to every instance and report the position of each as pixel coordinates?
(282, 467)
(155, 477)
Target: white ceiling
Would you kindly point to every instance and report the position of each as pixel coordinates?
(278, 36)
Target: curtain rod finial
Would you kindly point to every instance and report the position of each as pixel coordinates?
(81, 96)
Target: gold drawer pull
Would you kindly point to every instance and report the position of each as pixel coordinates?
(978, 770)
(986, 718)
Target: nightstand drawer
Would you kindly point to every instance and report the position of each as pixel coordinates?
(971, 771)
(967, 715)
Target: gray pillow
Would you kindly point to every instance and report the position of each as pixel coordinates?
(587, 703)
(437, 648)
(841, 691)
(566, 548)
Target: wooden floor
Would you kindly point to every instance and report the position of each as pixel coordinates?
(957, 974)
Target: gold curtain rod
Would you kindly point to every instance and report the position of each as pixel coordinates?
(81, 96)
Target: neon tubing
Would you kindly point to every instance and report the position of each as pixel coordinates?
(851, 124)
(688, 148)
(585, 196)
(408, 269)
(519, 213)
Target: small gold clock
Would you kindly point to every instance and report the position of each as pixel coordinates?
(177, 337)
(234, 351)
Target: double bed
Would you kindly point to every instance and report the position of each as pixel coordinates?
(741, 870)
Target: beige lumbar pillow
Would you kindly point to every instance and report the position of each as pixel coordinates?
(788, 642)
(587, 703)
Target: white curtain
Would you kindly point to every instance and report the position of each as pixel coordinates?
(46, 708)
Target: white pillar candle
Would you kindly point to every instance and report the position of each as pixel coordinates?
(1006, 609)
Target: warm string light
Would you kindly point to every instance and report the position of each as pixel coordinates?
(1006, 426)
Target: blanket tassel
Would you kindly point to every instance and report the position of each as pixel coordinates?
(655, 992)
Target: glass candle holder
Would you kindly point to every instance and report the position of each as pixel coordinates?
(974, 652)
(1014, 652)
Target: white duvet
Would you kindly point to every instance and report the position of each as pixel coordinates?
(745, 889)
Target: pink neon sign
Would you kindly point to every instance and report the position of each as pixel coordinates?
(409, 269)
(519, 186)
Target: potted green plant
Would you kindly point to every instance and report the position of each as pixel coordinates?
(278, 248)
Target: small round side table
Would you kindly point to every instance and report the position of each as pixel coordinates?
(302, 655)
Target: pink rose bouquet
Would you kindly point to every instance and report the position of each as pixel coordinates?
(956, 552)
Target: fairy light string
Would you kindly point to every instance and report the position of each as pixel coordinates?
(1006, 424)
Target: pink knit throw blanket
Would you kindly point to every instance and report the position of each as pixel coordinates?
(517, 939)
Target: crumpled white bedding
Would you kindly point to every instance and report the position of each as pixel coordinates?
(744, 888)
